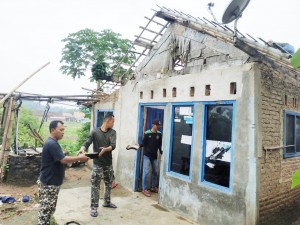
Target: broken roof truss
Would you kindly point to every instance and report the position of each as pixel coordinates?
(158, 23)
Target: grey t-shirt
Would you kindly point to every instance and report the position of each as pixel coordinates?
(102, 139)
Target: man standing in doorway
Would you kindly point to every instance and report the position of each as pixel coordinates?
(104, 142)
(152, 142)
(52, 172)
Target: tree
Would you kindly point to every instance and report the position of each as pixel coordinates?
(100, 51)
(26, 117)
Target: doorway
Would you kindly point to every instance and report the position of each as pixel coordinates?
(147, 113)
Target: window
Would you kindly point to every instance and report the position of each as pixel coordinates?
(100, 117)
(217, 144)
(292, 134)
(181, 139)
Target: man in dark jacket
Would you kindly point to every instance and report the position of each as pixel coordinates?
(152, 142)
(53, 171)
(104, 142)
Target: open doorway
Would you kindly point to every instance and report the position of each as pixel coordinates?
(147, 114)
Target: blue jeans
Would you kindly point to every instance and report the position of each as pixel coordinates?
(146, 172)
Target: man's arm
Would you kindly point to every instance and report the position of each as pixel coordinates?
(58, 155)
(144, 141)
(112, 145)
(71, 159)
(160, 144)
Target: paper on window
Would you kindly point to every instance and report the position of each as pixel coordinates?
(177, 120)
(185, 139)
(188, 119)
(185, 111)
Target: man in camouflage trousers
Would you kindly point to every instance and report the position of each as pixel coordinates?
(104, 142)
(48, 195)
(52, 171)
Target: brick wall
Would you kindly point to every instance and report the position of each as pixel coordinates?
(278, 204)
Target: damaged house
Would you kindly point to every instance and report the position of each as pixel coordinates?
(230, 114)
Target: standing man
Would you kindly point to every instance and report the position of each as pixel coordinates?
(152, 141)
(104, 142)
(52, 171)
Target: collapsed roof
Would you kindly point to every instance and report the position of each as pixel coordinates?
(257, 48)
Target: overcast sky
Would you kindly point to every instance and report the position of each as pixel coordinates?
(32, 30)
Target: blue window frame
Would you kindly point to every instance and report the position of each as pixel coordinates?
(100, 114)
(218, 136)
(291, 134)
(181, 140)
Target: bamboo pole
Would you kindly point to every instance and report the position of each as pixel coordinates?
(8, 125)
(19, 85)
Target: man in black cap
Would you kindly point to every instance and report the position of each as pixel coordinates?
(152, 141)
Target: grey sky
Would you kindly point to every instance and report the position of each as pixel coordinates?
(32, 30)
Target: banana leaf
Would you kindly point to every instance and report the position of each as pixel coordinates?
(295, 60)
(295, 179)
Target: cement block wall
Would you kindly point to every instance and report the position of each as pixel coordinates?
(278, 203)
(23, 170)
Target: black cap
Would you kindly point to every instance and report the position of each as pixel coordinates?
(156, 122)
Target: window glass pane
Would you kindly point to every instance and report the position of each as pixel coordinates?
(297, 134)
(218, 144)
(289, 133)
(182, 139)
(219, 123)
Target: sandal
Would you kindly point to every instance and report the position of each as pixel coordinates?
(114, 184)
(94, 213)
(109, 205)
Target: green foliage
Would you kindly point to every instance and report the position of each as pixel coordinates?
(83, 134)
(86, 111)
(26, 117)
(53, 221)
(1, 128)
(295, 179)
(295, 60)
(99, 71)
(87, 47)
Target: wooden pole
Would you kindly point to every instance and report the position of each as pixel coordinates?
(8, 126)
(31, 75)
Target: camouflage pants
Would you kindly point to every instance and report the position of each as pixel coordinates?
(48, 198)
(97, 173)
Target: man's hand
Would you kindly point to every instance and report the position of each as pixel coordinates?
(81, 151)
(83, 158)
(102, 151)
